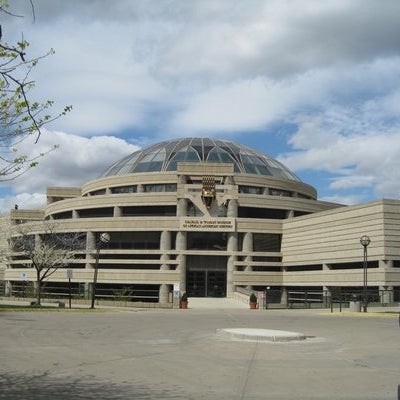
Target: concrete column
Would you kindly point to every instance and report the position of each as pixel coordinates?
(163, 293)
(75, 214)
(90, 246)
(284, 296)
(327, 295)
(181, 209)
(228, 180)
(38, 240)
(181, 258)
(165, 244)
(8, 288)
(232, 247)
(88, 290)
(386, 295)
(290, 214)
(182, 179)
(248, 247)
(140, 188)
(117, 212)
(385, 264)
(108, 191)
(232, 208)
(326, 267)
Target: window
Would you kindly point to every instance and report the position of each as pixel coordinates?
(124, 189)
(278, 192)
(251, 189)
(160, 187)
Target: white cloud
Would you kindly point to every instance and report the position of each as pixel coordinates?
(76, 161)
(179, 68)
(22, 200)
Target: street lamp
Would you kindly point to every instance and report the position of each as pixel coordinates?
(365, 241)
(104, 238)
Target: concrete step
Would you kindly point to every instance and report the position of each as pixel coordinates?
(215, 303)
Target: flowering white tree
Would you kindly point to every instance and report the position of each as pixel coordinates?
(46, 251)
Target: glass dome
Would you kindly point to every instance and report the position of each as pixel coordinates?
(165, 156)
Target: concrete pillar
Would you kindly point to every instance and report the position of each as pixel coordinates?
(38, 240)
(386, 295)
(232, 208)
(327, 295)
(108, 191)
(90, 246)
(75, 214)
(290, 214)
(117, 212)
(163, 293)
(385, 264)
(326, 267)
(228, 180)
(182, 179)
(232, 247)
(8, 288)
(284, 296)
(165, 244)
(181, 209)
(248, 247)
(88, 290)
(181, 258)
(140, 188)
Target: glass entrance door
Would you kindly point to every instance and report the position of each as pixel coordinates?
(206, 276)
(206, 283)
(196, 283)
(216, 284)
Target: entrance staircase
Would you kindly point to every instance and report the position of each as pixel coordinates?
(216, 303)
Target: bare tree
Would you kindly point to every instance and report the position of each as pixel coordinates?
(20, 117)
(46, 251)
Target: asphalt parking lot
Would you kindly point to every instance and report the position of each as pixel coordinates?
(176, 354)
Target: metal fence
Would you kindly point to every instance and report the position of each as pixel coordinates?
(272, 298)
(77, 291)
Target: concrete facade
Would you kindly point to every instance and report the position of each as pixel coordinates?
(252, 232)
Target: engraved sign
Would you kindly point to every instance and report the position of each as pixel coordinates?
(207, 224)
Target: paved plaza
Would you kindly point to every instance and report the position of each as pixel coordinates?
(178, 354)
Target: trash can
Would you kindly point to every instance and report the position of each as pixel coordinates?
(355, 304)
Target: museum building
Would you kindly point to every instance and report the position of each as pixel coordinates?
(212, 218)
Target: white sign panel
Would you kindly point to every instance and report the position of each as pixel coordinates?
(24, 276)
(207, 224)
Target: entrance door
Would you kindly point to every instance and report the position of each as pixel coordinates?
(196, 283)
(206, 276)
(216, 283)
(206, 283)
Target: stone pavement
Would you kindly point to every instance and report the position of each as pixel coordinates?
(177, 354)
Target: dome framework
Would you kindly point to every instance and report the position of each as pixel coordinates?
(165, 156)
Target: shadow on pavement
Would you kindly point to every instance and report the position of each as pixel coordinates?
(45, 387)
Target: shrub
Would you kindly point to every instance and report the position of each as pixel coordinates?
(253, 298)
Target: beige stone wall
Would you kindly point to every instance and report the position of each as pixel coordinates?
(334, 236)
(330, 235)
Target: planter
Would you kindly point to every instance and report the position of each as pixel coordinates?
(253, 305)
(184, 304)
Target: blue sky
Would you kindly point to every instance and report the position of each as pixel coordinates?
(315, 84)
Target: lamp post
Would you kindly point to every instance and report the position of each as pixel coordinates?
(365, 241)
(104, 238)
